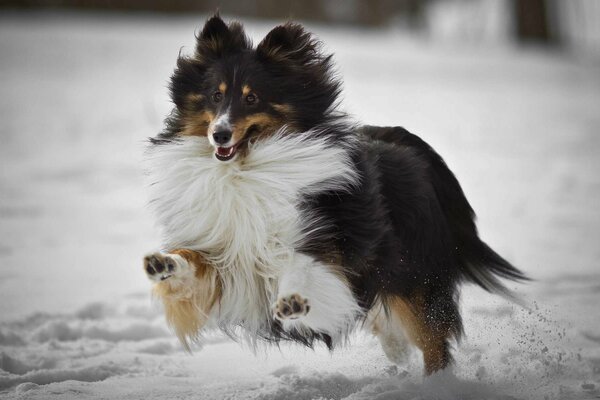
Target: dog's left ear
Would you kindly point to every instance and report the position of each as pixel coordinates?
(289, 42)
(218, 39)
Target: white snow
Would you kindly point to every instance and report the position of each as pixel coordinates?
(80, 93)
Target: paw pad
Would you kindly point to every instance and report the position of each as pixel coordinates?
(159, 267)
(293, 306)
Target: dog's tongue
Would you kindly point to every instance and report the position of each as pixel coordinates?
(224, 151)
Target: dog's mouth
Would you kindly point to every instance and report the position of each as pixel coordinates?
(226, 153)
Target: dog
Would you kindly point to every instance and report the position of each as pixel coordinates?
(283, 221)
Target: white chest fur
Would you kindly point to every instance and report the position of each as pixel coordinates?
(243, 215)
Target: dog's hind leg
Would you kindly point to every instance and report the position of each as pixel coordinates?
(388, 329)
(188, 287)
(427, 326)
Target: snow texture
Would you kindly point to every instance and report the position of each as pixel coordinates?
(80, 93)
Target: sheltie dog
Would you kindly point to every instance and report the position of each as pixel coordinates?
(284, 221)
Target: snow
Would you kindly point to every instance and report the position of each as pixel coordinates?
(81, 92)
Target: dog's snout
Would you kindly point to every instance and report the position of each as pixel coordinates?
(222, 137)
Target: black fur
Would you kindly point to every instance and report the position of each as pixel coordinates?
(407, 228)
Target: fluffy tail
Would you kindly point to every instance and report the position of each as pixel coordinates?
(484, 267)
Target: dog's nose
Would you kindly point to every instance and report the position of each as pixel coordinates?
(222, 137)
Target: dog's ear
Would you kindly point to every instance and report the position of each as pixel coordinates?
(218, 39)
(289, 42)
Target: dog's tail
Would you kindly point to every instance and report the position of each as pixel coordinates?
(484, 267)
(477, 262)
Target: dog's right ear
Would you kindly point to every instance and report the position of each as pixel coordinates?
(218, 39)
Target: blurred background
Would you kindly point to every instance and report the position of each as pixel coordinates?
(507, 91)
(569, 24)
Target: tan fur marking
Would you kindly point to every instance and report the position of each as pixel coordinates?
(267, 124)
(187, 307)
(194, 257)
(197, 124)
(223, 87)
(194, 97)
(284, 109)
(431, 340)
(246, 90)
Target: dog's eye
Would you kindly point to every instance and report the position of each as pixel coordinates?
(251, 98)
(217, 97)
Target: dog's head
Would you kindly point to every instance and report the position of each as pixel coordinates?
(233, 93)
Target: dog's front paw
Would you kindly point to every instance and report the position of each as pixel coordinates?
(291, 307)
(160, 267)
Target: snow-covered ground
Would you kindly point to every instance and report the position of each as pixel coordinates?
(80, 93)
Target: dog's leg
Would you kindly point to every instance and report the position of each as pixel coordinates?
(315, 295)
(388, 329)
(426, 329)
(188, 287)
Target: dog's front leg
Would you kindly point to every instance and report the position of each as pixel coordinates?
(315, 295)
(188, 287)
